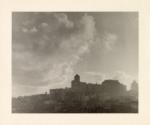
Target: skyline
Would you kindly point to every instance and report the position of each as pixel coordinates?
(49, 48)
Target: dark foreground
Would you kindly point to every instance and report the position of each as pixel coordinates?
(45, 104)
(109, 97)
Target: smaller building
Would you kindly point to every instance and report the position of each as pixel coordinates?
(134, 90)
(113, 88)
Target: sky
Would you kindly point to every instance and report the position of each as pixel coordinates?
(49, 48)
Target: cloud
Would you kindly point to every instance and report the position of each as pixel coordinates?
(73, 48)
(33, 29)
(29, 30)
(49, 47)
(27, 22)
(24, 30)
(59, 75)
(93, 77)
(48, 58)
(123, 78)
(109, 40)
(106, 41)
(45, 27)
(22, 90)
(80, 42)
(44, 24)
(63, 19)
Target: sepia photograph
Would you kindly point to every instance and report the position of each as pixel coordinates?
(75, 62)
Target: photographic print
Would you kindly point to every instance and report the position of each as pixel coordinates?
(75, 62)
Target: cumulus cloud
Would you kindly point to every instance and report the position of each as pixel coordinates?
(48, 47)
(33, 29)
(106, 41)
(44, 24)
(73, 48)
(95, 77)
(80, 42)
(24, 30)
(109, 41)
(29, 30)
(47, 59)
(63, 19)
(123, 77)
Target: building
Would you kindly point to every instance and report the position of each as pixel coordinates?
(133, 92)
(108, 89)
(109, 96)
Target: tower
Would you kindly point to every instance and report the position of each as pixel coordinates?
(77, 78)
(76, 81)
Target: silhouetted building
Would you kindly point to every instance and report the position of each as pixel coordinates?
(108, 89)
(134, 90)
(110, 96)
(113, 88)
